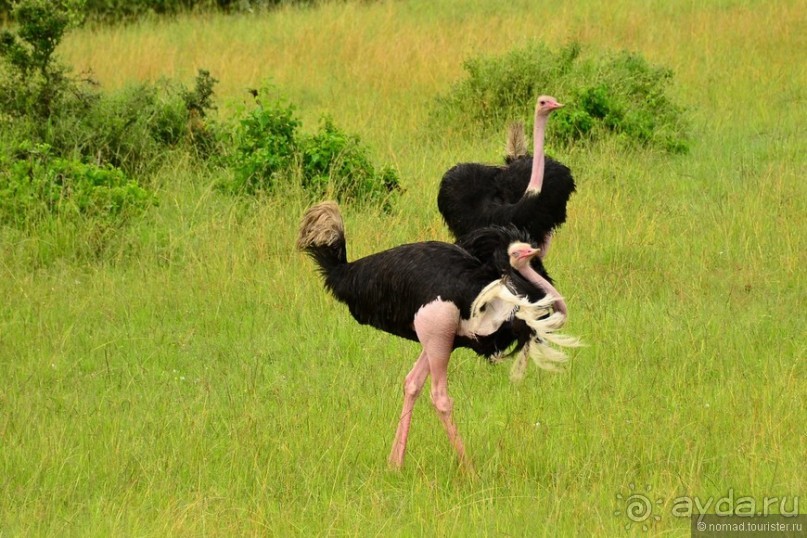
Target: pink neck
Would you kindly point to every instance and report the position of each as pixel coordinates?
(532, 275)
(537, 175)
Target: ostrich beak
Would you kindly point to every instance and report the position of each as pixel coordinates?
(553, 106)
(529, 254)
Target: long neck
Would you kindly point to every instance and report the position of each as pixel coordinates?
(533, 276)
(537, 175)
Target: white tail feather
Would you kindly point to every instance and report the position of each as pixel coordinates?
(519, 367)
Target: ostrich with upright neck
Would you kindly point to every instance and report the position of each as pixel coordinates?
(530, 192)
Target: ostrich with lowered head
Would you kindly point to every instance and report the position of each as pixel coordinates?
(530, 192)
(443, 296)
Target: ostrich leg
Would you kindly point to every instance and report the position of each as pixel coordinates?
(436, 325)
(413, 384)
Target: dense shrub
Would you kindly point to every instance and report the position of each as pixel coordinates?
(69, 150)
(333, 160)
(265, 146)
(129, 10)
(137, 127)
(270, 152)
(499, 88)
(32, 84)
(40, 102)
(73, 161)
(38, 185)
(614, 94)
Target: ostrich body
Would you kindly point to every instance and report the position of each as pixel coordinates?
(444, 297)
(530, 192)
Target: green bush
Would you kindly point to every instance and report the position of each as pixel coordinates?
(498, 89)
(336, 163)
(270, 153)
(38, 185)
(110, 11)
(32, 83)
(35, 90)
(137, 127)
(265, 148)
(614, 94)
(67, 152)
(132, 130)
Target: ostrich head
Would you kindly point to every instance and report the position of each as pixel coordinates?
(520, 254)
(545, 105)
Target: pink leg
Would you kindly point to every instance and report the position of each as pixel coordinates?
(443, 404)
(412, 386)
(436, 325)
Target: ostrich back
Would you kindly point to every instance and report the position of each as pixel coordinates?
(388, 288)
(475, 195)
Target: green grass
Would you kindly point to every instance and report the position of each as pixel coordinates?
(196, 380)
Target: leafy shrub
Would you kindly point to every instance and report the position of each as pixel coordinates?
(35, 90)
(499, 88)
(38, 185)
(129, 10)
(265, 147)
(32, 84)
(132, 130)
(135, 128)
(270, 152)
(616, 94)
(336, 161)
(62, 143)
(204, 136)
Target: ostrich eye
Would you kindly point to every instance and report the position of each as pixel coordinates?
(542, 102)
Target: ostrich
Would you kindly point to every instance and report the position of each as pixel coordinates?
(444, 297)
(530, 192)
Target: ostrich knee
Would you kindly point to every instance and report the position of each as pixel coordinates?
(412, 386)
(442, 402)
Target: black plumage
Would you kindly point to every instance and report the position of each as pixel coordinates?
(530, 194)
(386, 289)
(476, 294)
(474, 195)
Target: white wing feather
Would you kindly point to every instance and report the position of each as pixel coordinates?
(496, 304)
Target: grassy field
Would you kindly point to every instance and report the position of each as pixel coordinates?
(200, 382)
